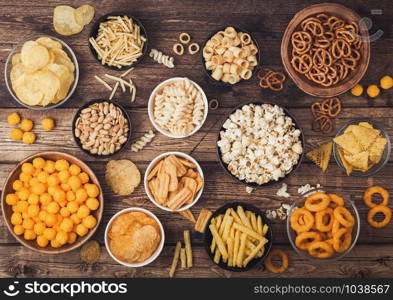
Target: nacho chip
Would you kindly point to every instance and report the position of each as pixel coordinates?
(321, 155)
(377, 148)
(122, 176)
(359, 161)
(348, 167)
(349, 143)
(364, 135)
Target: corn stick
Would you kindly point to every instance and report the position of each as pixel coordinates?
(219, 241)
(175, 259)
(218, 224)
(183, 259)
(259, 225)
(254, 252)
(127, 72)
(114, 90)
(103, 82)
(242, 248)
(248, 231)
(243, 217)
(236, 248)
(187, 242)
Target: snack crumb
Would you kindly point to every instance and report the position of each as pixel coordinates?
(249, 189)
(282, 191)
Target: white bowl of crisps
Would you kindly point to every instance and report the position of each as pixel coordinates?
(361, 148)
(238, 237)
(41, 72)
(322, 226)
(326, 49)
(230, 55)
(123, 51)
(134, 237)
(52, 202)
(178, 107)
(174, 181)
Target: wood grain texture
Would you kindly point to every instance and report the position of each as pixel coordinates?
(164, 20)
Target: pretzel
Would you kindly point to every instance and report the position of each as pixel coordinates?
(331, 106)
(340, 48)
(323, 111)
(302, 64)
(271, 79)
(322, 124)
(301, 42)
(322, 58)
(314, 26)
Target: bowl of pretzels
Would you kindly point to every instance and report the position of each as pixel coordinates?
(326, 49)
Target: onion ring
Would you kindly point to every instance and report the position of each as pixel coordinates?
(335, 200)
(321, 250)
(368, 194)
(320, 220)
(342, 239)
(284, 261)
(317, 202)
(343, 215)
(305, 239)
(386, 211)
(308, 220)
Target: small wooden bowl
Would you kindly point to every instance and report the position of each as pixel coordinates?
(300, 80)
(7, 209)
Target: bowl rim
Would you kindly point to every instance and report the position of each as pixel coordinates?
(153, 163)
(94, 30)
(69, 51)
(378, 167)
(83, 239)
(100, 100)
(269, 235)
(150, 106)
(303, 253)
(271, 182)
(208, 72)
(307, 86)
(156, 253)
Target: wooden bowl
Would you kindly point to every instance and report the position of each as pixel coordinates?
(7, 210)
(354, 76)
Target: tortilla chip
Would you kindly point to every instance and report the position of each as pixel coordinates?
(359, 161)
(321, 155)
(348, 167)
(366, 124)
(349, 143)
(377, 148)
(365, 136)
(349, 128)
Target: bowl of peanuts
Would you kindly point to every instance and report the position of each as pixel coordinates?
(52, 202)
(325, 49)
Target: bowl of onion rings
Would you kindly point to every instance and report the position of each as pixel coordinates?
(323, 226)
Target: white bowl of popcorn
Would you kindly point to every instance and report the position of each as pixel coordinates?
(177, 107)
(260, 144)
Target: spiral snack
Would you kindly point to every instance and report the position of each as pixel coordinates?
(161, 58)
(143, 141)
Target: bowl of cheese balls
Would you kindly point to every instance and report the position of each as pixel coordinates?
(52, 202)
(230, 55)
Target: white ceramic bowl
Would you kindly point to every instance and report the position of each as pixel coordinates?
(151, 107)
(152, 165)
(155, 254)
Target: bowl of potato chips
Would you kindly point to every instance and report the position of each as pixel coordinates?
(361, 148)
(41, 72)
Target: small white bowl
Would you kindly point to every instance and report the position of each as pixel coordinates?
(151, 107)
(155, 254)
(152, 165)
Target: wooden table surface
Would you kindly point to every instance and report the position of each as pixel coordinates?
(164, 20)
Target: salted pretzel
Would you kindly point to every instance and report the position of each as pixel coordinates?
(301, 42)
(302, 64)
(271, 79)
(322, 124)
(323, 112)
(340, 48)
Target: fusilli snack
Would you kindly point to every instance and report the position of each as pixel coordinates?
(143, 141)
(230, 56)
(161, 58)
(179, 108)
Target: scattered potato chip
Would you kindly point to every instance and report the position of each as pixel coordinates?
(84, 14)
(48, 42)
(64, 20)
(122, 176)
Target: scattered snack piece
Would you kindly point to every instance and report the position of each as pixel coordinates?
(134, 237)
(91, 252)
(143, 141)
(121, 49)
(43, 74)
(326, 49)
(84, 14)
(13, 119)
(213, 104)
(29, 137)
(58, 207)
(184, 38)
(65, 21)
(178, 49)
(179, 107)
(386, 82)
(360, 147)
(323, 225)
(187, 243)
(175, 260)
(174, 182)
(281, 212)
(103, 82)
(238, 237)
(230, 56)
(188, 215)
(26, 125)
(193, 48)
(381, 208)
(122, 176)
(323, 111)
(183, 258)
(250, 138)
(357, 90)
(283, 191)
(307, 188)
(321, 155)
(106, 119)
(368, 194)
(203, 218)
(269, 79)
(16, 134)
(282, 256)
(47, 124)
(373, 91)
(249, 189)
(161, 58)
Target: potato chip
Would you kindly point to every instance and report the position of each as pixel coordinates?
(34, 58)
(66, 79)
(349, 143)
(15, 60)
(84, 14)
(122, 176)
(46, 82)
(48, 42)
(61, 58)
(16, 72)
(28, 96)
(64, 20)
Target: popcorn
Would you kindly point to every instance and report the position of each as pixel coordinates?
(260, 143)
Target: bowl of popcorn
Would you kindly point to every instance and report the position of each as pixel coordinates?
(260, 144)
(230, 55)
(177, 107)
